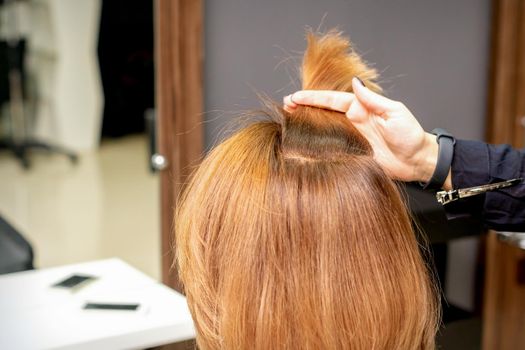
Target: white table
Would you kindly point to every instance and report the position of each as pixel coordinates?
(34, 315)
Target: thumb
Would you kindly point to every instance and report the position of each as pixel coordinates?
(372, 101)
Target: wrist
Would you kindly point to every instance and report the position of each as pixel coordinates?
(427, 159)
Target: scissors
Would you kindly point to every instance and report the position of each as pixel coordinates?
(445, 197)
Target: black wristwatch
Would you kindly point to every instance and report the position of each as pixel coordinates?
(446, 144)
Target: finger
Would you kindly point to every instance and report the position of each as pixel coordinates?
(374, 102)
(288, 102)
(335, 100)
(289, 109)
(358, 112)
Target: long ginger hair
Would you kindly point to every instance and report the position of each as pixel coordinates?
(290, 235)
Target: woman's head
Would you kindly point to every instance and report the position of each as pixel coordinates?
(290, 235)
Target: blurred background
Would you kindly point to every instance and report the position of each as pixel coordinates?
(83, 139)
(76, 81)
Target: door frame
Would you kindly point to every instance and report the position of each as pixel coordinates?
(178, 85)
(504, 297)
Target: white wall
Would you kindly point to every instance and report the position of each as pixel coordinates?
(63, 59)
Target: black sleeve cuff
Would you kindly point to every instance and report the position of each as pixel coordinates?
(476, 163)
(470, 167)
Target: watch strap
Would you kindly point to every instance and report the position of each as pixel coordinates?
(446, 144)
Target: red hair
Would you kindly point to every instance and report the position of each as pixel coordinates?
(291, 236)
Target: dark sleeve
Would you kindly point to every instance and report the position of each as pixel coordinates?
(476, 163)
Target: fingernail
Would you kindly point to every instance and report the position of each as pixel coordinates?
(359, 79)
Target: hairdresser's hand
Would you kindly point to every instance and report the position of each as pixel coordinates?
(401, 146)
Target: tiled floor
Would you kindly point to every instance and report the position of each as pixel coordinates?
(105, 206)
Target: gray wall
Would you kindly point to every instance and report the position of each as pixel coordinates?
(433, 55)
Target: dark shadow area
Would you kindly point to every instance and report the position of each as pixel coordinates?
(125, 53)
